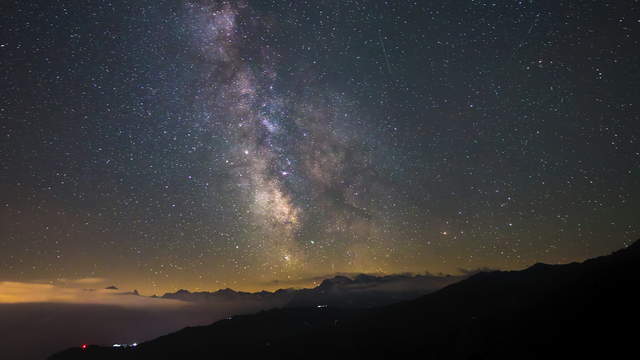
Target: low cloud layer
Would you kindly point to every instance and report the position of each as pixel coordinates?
(381, 281)
(38, 319)
(22, 292)
(84, 281)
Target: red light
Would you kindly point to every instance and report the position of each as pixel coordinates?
(84, 346)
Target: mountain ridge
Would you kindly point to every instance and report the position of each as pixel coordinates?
(361, 290)
(570, 310)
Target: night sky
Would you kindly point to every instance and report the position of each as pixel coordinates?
(165, 144)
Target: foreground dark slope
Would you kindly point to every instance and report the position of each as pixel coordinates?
(545, 311)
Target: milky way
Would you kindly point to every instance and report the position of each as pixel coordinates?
(302, 174)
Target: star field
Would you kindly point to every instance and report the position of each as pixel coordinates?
(204, 144)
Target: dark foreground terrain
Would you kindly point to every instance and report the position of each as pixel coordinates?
(577, 310)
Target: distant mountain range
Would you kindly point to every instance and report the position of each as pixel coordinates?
(578, 310)
(360, 291)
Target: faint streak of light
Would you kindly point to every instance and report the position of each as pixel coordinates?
(535, 20)
(524, 41)
(384, 51)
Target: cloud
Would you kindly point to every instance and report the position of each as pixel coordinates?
(470, 272)
(23, 292)
(89, 281)
(81, 281)
(378, 278)
(313, 280)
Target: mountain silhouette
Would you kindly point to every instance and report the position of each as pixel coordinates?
(360, 291)
(577, 310)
